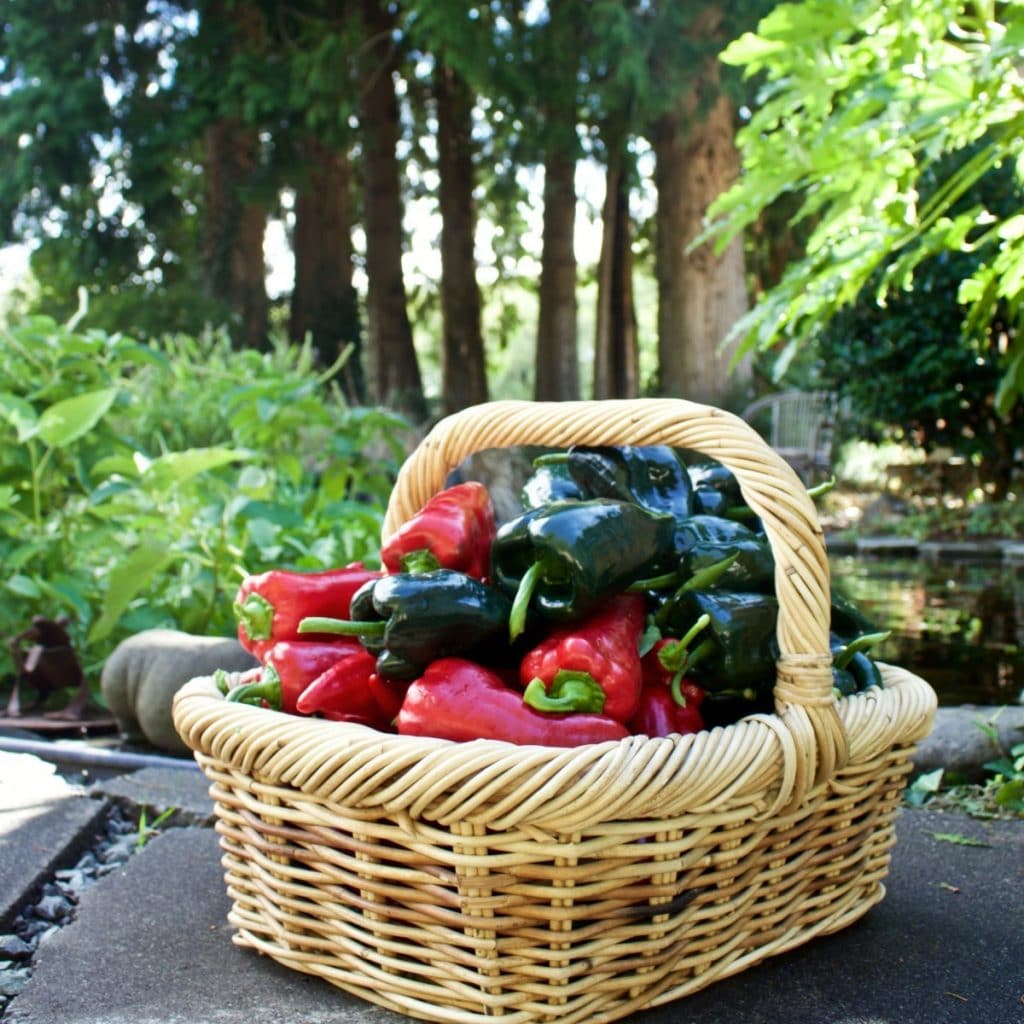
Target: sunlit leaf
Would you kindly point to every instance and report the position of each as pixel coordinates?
(71, 418)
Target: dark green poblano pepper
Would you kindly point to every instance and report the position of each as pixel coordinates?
(550, 481)
(412, 619)
(563, 559)
(651, 476)
(704, 540)
(738, 649)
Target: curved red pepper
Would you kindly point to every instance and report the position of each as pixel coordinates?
(290, 666)
(456, 699)
(603, 646)
(343, 690)
(270, 606)
(455, 526)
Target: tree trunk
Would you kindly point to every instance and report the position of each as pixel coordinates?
(700, 295)
(616, 349)
(463, 366)
(394, 371)
(324, 304)
(233, 229)
(557, 376)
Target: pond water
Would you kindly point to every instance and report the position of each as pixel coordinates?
(957, 624)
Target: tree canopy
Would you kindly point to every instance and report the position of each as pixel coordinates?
(859, 102)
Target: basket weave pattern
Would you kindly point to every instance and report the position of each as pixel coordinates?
(460, 882)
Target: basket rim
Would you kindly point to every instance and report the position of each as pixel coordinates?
(499, 785)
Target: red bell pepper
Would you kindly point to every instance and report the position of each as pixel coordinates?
(290, 666)
(453, 530)
(459, 700)
(270, 606)
(604, 647)
(351, 691)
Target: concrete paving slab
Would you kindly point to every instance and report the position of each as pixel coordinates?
(150, 945)
(45, 823)
(159, 790)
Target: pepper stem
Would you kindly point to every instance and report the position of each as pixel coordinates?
(710, 574)
(551, 459)
(843, 656)
(267, 689)
(521, 602)
(343, 627)
(823, 488)
(570, 691)
(694, 657)
(256, 616)
(419, 561)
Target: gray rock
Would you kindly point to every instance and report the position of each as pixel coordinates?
(960, 741)
(13, 948)
(140, 678)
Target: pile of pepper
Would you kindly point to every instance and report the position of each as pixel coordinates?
(632, 595)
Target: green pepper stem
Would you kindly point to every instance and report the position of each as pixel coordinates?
(419, 561)
(842, 657)
(343, 627)
(663, 582)
(823, 488)
(256, 616)
(551, 459)
(521, 602)
(570, 691)
(710, 574)
(268, 690)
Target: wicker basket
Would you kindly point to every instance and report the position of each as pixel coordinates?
(462, 882)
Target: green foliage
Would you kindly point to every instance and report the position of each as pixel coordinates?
(1001, 794)
(859, 101)
(138, 483)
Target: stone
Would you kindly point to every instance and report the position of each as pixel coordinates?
(45, 824)
(142, 675)
(14, 948)
(958, 743)
(159, 790)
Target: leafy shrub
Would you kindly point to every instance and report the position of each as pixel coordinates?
(138, 483)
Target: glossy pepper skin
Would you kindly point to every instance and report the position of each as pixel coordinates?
(715, 488)
(564, 559)
(550, 481)
(290, 666)
(651, 476)
(343, 692)
(270, 606)
(738, 649)
(411, 619)
(659, 715)
(604, 646)
(703, 540)
(456, 526)
(456, 699)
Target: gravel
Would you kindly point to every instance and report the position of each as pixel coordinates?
(58, 900)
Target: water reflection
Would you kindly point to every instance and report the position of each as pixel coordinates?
(957, 624)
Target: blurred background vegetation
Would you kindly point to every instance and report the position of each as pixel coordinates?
(253, 249)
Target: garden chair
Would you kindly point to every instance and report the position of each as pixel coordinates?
(800, 426)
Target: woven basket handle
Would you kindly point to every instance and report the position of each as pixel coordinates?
(803, 686)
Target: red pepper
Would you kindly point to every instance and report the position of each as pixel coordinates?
(270, 606)
(669, 702)
(351, 691)
(604, 647)
(660, 715)
(459, 700)
(290, 666)
(453, 530)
